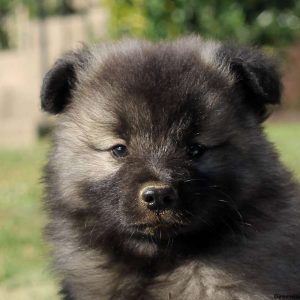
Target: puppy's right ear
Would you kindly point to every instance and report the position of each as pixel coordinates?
(60, 81)
(256, 76)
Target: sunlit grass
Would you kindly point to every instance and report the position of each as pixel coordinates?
(23, 257)
(286, 138)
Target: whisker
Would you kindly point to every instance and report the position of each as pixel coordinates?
(230, 203)
(91, 235)
(188, 212)
(248, 224)
(194, 179)
(222, 200)
(228, 226)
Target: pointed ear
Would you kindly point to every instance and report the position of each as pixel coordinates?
(60, 80)
(257, 77)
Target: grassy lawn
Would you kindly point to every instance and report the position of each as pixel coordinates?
(23, 267)
(23, 256)
(286, 138)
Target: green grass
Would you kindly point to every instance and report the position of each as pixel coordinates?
(286, 138)
(23, 264)
(23, 256)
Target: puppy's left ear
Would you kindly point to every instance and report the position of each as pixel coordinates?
(60, 81)
(257, 76)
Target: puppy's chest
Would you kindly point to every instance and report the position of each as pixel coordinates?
(189, 282)
(194, 282)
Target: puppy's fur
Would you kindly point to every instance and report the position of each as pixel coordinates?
(234, 230)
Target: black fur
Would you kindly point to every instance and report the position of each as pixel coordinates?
(234, 232)
(66, 292)
(59, 82)
(257, 76)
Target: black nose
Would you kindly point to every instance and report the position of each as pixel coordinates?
(159, 197)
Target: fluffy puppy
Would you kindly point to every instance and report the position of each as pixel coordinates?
(161, 183)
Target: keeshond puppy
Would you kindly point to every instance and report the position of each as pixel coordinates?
(161, 183)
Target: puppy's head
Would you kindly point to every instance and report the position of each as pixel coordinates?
(159, 140)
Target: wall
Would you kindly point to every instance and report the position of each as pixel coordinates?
(22, 69)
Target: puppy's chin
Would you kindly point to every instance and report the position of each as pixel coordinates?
(141, 245)
(149, 240)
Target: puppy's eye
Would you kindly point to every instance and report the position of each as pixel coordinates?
(195, 150)
(119, 151)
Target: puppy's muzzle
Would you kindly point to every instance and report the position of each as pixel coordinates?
(158, 196)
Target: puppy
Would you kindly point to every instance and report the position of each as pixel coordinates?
(161, 183)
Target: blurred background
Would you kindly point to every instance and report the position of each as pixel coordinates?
(34, 33)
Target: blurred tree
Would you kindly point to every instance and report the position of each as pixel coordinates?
(6, 7)
(268, 22)
(51, 7)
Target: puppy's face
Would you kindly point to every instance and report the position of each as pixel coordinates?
(159, 140)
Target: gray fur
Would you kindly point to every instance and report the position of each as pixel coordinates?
(235, 233)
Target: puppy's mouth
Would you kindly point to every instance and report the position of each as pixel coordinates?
(160, 228)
